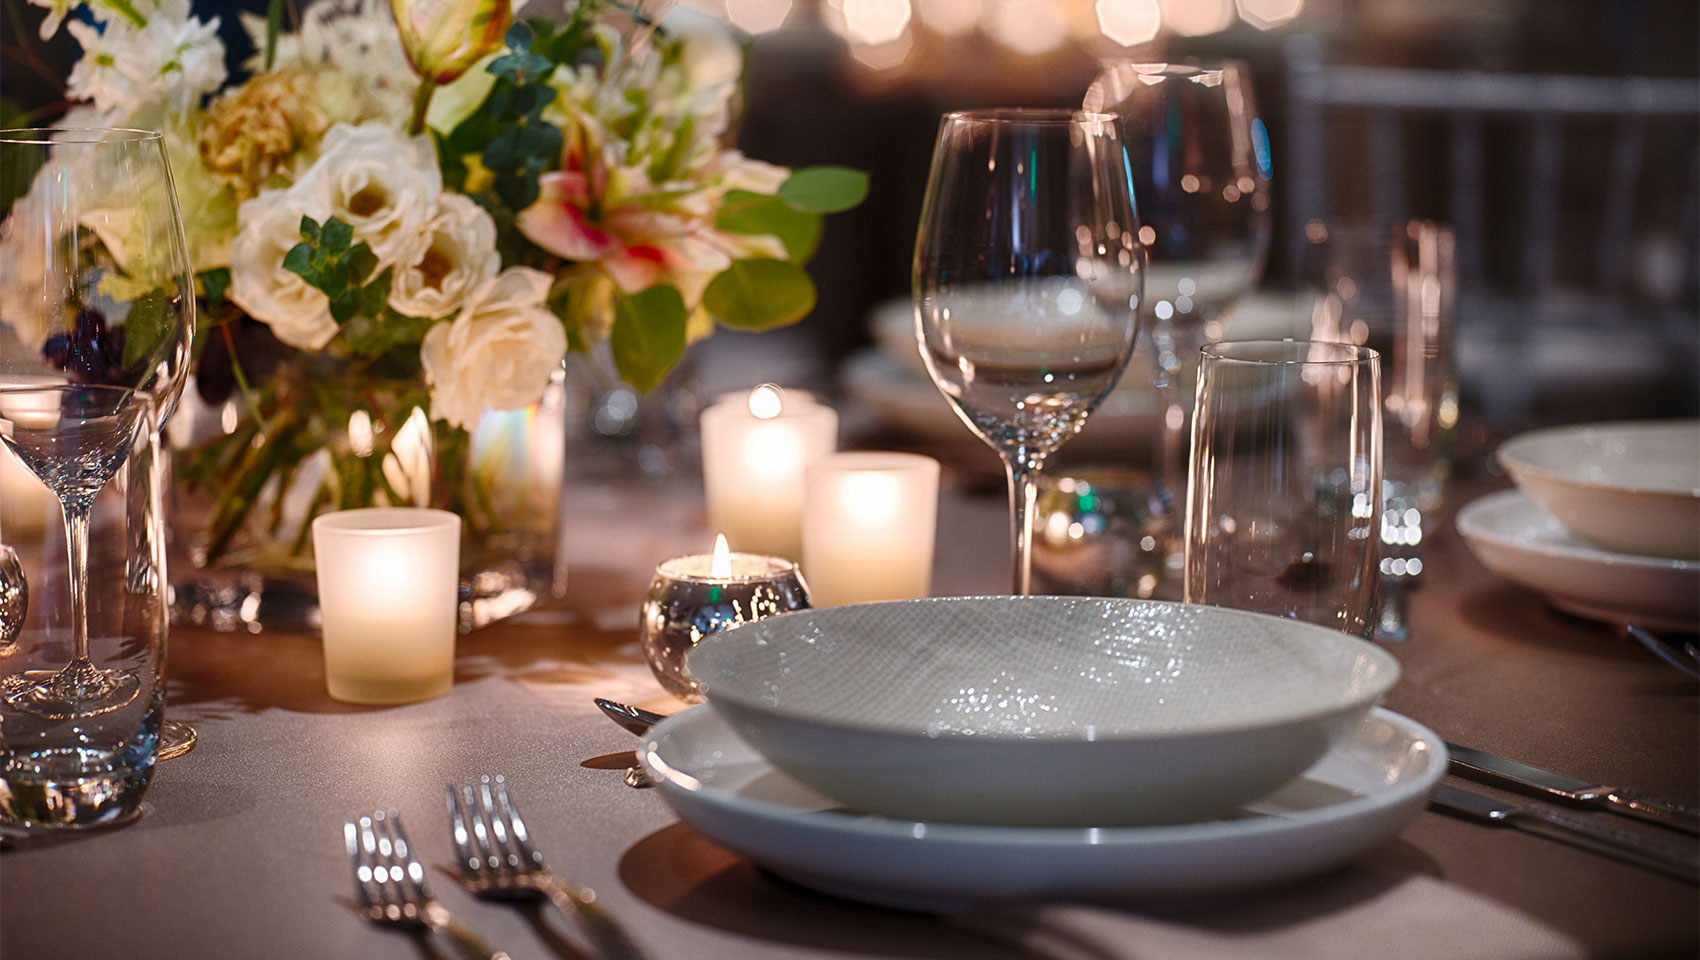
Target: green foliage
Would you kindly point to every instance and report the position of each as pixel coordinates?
(754, 213)
(648, 336)
(216, 282)
(507, 132)
(274, 24)
(332, 263)
(825, 189)
(145, 326)
(760, 294)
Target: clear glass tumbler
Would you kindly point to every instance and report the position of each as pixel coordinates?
(1283, 508)
(88, 765)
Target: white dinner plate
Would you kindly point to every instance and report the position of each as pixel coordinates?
(1512, 536)
(1360, 793)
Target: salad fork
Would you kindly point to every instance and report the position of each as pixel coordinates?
(391, 884)
(499, 862)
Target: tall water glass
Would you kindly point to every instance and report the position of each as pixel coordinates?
(1199, 155)
(1393, 290)
(88, 635)
(1283, 506)
(1027, 283)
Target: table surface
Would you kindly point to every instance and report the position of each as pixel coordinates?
(239, 852)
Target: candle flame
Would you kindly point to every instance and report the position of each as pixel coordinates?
(766, 401)
(720, 565)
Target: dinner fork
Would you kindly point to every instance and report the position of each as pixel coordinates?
(392, 886)
(499, 862)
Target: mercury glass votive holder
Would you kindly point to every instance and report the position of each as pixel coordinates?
(688, 601)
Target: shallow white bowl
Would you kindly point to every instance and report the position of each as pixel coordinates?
(1512, 536)
(1629, 487)
(1061, 711)
(1363, 791)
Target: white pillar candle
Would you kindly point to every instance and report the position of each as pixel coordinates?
(754, 451)
(869, 527)
(388, 585)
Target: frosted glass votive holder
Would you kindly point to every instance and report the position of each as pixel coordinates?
(869, 523)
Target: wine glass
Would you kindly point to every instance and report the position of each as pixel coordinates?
(1027, 283)
(95, 280)
(1199, 156)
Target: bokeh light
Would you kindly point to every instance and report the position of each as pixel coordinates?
(1267, 14)
(1128, 22)
(1195, 18)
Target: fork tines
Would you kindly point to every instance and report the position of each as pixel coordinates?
(389, 879)
(496, 853)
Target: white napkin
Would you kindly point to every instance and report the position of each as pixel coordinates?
(1416, 917)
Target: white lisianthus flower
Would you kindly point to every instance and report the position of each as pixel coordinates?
(170, 63)
(709, 53)
(457, 259)
(498, 354)
(268, 226)
(379, 182)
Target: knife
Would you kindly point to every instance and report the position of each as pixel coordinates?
(1634, 803)
(1681, 862)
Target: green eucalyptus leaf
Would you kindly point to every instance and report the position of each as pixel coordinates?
(755, 213)
(825, 189)
(760, 294)
(299, 260)
(338, 235)
(648, 336)
(310, 228)
(215, 282)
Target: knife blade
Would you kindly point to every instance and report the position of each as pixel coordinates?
(1624, 800)
(1680, 862)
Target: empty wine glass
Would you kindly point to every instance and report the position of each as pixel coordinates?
(73, 437)
(95, 279)
(1284, 502)
(1199, 156)
(1027, 283)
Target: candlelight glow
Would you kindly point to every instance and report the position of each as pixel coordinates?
(949, 17)
(1128, 22)
(1264, 14)
(720, 565)
(758, 16)
(1195, 18)
(876, 21)
(766, 402)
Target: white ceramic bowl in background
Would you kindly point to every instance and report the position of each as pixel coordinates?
(1629, 487)
(1059, 711)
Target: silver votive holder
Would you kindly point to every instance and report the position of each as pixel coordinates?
(687, 602)
(1101, 531)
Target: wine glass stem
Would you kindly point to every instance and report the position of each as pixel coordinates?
(1023, 497)
(77, 548)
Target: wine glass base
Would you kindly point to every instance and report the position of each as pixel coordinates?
(175, 739)
(80, 690)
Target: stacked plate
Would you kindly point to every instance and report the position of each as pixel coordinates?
(1605, 521)
(931, 753)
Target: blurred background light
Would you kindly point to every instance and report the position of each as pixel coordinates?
(1129, 22)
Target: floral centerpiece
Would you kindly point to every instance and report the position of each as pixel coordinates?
(408, 212)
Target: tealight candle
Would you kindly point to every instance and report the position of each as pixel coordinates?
(754, 451)
(694, 596)
(389, 583)
(869, 527)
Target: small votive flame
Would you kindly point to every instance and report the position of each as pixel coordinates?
(766, 401)
(720, 565)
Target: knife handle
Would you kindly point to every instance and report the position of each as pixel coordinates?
(1602, 838)
(1665, 813)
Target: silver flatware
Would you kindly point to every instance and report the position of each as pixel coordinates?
(1684, 657)
(498, 861)
(634, 720)
(392, 885)
(1624, 800)
(1596, 836)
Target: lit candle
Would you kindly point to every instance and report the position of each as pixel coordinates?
(754, 451)
(869, 527)
(388, 587)
(694, 596)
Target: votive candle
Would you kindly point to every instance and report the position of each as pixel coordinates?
(869, 527)
(388, 587)
(754, 451)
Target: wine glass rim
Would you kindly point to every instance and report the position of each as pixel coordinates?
(55, 136)
(1038, 116)
(14, 386)
(1302, 352)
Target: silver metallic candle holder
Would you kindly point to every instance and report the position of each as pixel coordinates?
(686, 602)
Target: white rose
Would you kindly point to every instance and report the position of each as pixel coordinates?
(379, 182)
(498, 354)
(266, 228)
(458, 257)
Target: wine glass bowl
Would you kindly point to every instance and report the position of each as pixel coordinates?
(1027, 282)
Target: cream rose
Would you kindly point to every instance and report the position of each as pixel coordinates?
(459, 256)
(266, 228)
(498, 354)
(379, 182)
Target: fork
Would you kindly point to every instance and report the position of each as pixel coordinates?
(392, 886)
(499, 862)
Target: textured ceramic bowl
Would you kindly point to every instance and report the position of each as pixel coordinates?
(1054, 711)
(1629, 487)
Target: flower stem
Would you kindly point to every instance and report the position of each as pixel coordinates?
(421, 105)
